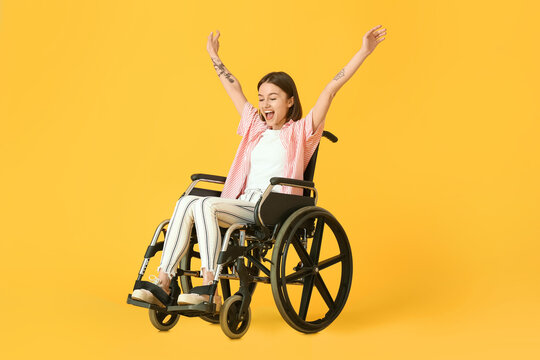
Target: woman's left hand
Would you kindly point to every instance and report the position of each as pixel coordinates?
(372, 38)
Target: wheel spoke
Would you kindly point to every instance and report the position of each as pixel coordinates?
(323, 290)
(317, 240)
(302, 253)
(306, 297)
(329, 262)
(298, 274)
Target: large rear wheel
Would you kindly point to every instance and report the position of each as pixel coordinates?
(311, 252)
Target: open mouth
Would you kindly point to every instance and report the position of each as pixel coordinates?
(269, 115)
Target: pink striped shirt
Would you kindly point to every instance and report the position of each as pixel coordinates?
(298, 137)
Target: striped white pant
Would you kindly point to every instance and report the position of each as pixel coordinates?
(208, 213)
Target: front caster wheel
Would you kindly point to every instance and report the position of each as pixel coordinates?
(162, 320)
(229, 318)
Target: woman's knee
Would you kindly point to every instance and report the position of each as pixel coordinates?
(188, 201)
(203, 204)
(209, 203)
(184, 206)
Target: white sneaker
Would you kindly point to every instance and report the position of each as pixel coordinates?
(147, 296)
(194, 299)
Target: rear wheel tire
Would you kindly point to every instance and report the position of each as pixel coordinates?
(288, 273)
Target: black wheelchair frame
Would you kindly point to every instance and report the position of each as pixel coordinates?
(283, 223)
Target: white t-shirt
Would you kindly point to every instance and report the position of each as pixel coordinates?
(267, 161)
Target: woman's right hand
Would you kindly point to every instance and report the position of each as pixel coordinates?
(212, 46)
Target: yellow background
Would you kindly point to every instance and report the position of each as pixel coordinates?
(107, 108)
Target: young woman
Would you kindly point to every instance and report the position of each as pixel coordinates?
(276, 141)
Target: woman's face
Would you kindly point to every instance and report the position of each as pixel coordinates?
(274, 105)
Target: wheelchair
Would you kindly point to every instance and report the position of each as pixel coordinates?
(292, 227)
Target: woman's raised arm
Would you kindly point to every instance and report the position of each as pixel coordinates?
(370, 41)
(231, 84)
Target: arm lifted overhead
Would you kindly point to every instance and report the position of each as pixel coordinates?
(370, 41)
(230, 83)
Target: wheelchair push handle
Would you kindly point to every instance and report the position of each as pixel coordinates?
(327, 134)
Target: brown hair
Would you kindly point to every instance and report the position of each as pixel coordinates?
(285, 83)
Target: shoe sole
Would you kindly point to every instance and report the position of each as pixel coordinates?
(195, 299)
(146, 296)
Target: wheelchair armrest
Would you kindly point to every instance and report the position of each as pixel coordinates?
(192, 190)
(288, 181)
(275, 207)
(211, 178)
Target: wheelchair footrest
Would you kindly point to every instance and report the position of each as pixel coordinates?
(143, 304)
(188, 310)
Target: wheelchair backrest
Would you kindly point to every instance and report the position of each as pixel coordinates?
(310, 169)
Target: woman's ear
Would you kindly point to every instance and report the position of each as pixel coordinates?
(290, 101)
